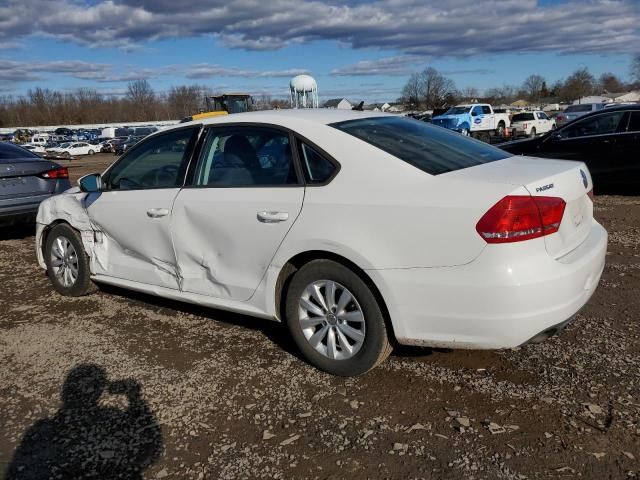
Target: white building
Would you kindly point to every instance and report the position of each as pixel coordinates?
(632, 96)
(339, 103)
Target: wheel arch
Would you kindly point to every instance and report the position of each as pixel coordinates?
(296, 262)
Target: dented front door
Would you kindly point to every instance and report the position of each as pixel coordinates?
(132, 215)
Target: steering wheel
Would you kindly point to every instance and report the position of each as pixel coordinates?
(161, 176)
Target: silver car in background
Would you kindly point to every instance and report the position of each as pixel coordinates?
(575, 111)
(26, 180)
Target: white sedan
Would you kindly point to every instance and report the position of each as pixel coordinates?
(531, 123)
(358, 230)
(71, 149)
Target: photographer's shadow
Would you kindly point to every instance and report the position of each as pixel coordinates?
(86, 440)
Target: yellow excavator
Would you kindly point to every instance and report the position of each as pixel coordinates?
(223, 105)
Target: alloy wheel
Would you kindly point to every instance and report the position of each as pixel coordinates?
(331, 319)
(64, 261)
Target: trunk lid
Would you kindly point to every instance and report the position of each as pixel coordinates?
(19, 178)
(568, 180)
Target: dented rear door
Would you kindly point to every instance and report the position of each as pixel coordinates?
(245, 197)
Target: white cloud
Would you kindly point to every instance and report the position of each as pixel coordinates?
(412, 27)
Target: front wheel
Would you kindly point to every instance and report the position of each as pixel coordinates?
(335, 319)
(91, 152)
(464, 132)
(67, 263)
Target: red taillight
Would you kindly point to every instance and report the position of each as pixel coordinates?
(519, 217)
(61, 172)
(590, 195)
(560, 117)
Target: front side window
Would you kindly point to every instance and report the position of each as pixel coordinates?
(159, 162)
(246, 157)
(316, 168)
(597, 125)
(476, 111)
(432, 149)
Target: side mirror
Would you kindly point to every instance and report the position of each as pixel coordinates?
(91, 183)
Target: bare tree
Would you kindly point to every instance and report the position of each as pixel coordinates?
(142, 98)
(533, 86)
(608, 83)
(183, 101)
(469, 93)
(579, 84)
(411, 91)
(436, 90)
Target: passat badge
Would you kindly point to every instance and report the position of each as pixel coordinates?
(585, 180)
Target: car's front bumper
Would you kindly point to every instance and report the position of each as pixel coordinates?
(507, 296)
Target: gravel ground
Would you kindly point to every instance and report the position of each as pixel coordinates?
(123, 385)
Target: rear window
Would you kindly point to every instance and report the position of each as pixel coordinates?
(522, 117)
(10, 151)
(432, 149)
(578, 108)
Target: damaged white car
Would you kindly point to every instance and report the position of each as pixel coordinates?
(356, 229)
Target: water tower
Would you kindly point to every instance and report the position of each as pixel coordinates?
(303, 92)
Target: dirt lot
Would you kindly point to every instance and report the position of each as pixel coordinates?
(216, 395)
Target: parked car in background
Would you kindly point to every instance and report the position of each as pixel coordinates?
(25, 180)
(531, 124)
(608, 141)
(34, 148)
(473, 119)
(327, 192)
(72, 149)
(121, 147)
(576, 111)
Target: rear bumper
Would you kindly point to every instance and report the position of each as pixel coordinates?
(507, 296)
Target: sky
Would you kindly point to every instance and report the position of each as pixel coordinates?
(354, 48)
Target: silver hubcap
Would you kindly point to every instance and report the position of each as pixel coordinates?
(64, 261)
(331, 319)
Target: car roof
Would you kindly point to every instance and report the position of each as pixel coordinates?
(324, 116)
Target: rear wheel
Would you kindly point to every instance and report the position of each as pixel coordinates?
(335, 320)
(500, 129)
(67, 263)
(464, 132)
(533, 132)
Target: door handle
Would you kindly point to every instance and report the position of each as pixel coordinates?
(157, 212)
(273, 217)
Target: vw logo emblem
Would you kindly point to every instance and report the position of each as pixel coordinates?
(9, 169)
(585, 180)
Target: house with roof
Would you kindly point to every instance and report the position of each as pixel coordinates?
(339, 103)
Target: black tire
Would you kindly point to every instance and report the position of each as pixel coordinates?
(500, 130)
(532, 134)
(375, 347)
(83, 284)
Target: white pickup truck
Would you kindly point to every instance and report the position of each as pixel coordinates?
(474, 119)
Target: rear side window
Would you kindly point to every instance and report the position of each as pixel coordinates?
(486, 110)
(634, 122)
(246, 157)
(432, 149)
(522, 117)
(317, 169)
(579, 108)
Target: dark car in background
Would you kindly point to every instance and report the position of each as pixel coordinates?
(26, 180)
(607, 140)
(121, 147)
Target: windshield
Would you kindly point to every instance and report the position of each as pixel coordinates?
(432, 149)
(457, 110)
(578, 108)
(522, 117)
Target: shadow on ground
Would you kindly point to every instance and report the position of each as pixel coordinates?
(85, 440)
